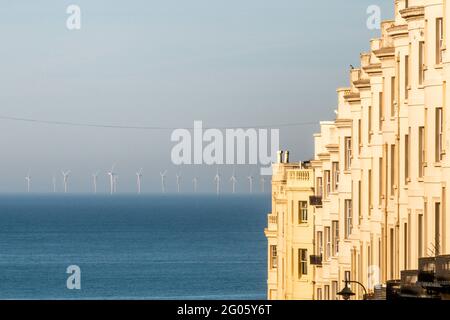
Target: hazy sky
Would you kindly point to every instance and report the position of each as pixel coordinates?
(229, 63)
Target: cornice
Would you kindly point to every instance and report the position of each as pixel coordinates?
(332, 147)
(344, 123)
(413, 13)
(323, 156)
(373, 68)
(352, 96)
(362, 83)
(398, 31)
(384, 53)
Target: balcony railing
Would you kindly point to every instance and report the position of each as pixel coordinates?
(427, 269)
(315, 201)
(393, 289)
(272, 222)
(315, 260)
(409, 285)
(303, 178)
(443, 269)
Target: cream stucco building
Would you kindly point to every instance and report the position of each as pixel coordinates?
(372, 200)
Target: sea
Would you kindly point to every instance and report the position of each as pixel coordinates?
(133, 246)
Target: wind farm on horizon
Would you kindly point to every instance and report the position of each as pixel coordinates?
(215, 185)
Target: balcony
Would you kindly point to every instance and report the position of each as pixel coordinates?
(409, 286)
(393, 289)
(300, 178)
(315, 260)
(315, 201)
(443, 269)
(272, 222)
(427, 269)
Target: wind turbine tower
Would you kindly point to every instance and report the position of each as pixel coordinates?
(250, 182)
(163, 181)
(66, 180)
(94, 180)
(111, 175)
(263, 184)
(178, 175)
(28, 178)
(139, 180)
(217, 180)
(54, 184)
(233, 182)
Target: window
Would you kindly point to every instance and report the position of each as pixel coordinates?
(327, 183)
(335, 168)
(335, 240)
(405, 246)
(319, 187)
(327, 292)
(406, 76)
(407, 157)
(359, 136)
(273, 256)
(421, 62)
(319, 294)
(369, 120)
(319, 243)
(420, 235)
(303, 211)
(369, 189)
(334, 290)
(392, 96)
(348, 153)
(437, 228)
(381, 104)
(439, 39)
(422, 153)
(439, 132)
(392, 169)
(360, 213)
(302, 262)
(380, 181)
(391, 250)
(348, 218)
(327, 243)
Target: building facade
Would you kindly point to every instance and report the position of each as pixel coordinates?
(376, 187)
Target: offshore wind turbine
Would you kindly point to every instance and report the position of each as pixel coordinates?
(233, 182)
(28, 179)
(163, 183)
(111, 175)
(115, 179)
(250, 183)
(217, 180)
(194, 184)
(54, 183)
(139, 180)
(65, 180)
(94, 180)
(178, 175)
(263, 183)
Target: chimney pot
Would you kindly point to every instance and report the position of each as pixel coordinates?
(286, 157)
(280, 156)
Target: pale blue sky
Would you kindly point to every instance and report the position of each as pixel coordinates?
(165, 63)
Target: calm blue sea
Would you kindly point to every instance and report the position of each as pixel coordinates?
(133, 247)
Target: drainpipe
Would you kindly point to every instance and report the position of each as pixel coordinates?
(398, 179)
